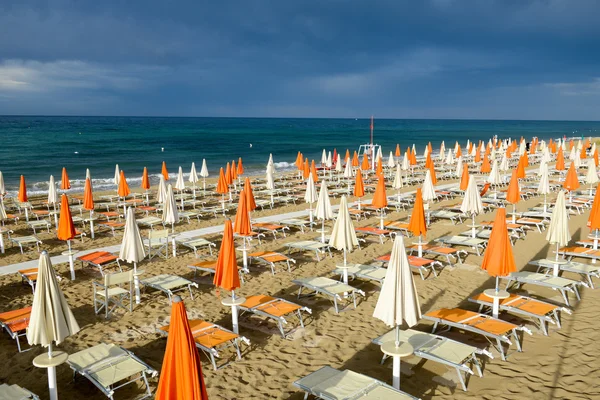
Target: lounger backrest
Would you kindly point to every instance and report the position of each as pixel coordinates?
(118, 278)
(157, 235)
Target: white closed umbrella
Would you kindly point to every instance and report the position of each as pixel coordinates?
(442, 151)
(3, 217)
(544, 184)
(504, 163)
(398, 303)
(324, 157)
(391, 163)
(87, 174)
(310, 195)
(449, 157)
(323, 210)
(471, 203)
(132, 248)
(397, 184)
(180, 184)
(204, 174)
(405, 162)
(494, 176)
(572, 154)
(338, 165)
(426, 152)
(493, 153)
(170, 214)
(117, 177)
(52, 194)
(193, 179)
(592, 175)
(577, 160)
(428, 188)
(459, 167)
(343, 236)
(270, 183)
(161, 194)
(558, 230)
(329, 162)
(2, 187)
(379, 155)
(51, 320)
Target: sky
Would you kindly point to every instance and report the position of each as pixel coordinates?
(474, 59)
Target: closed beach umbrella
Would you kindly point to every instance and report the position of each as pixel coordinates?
(428, 189)
(432, 173)
(234, 175)
(323, 210)
(222, 188)
(170, 214)
(242, 224)
(544, 185)
(204, 174)
(405, 162)
(313, 171)
(464, 179)
(398, 300)
(592, 176)
(471, 203)
(145, 179)
(161, 194)
(365, 163)
(164, 171)
(560, 160)
(380, 199)
(398, 184)
(66, 229)
(513, 194)
(88, 203)
(51, 320)
(305, 169)
(270, 184)
(485, 165)
(123, 186)
(324, 157)
(227, 175)
(338, 165)
(250, 203)
(181, 373)
(449, 158)
(459, 168)
(87, 174)
(494, 176)
(417, 225)
(379, 168)
(23, 196)
(52, 195)
(355, 161)
(117, 177)
(132, 248)
(2, 186)
(594, 218)
(558, 230)
(226, 270)
(571, 181)
(359, 187)
(348, 170)
(391, 163)
(180, 182)
(343, 236)
(240, 168)
(65, 184)
(310, 196)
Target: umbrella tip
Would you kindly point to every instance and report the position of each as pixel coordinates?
(44, 253)
(176, 299)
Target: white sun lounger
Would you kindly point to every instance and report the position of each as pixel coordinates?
(331, 384)
(362, 271)
(274, 308)
(563, 285)
(149, 222)
(455, 217)
(309, 245)
(188, 215)
(328, 287)
(110, 367)
(26, 241)
(39, 224)
(169, 284)
(15, 392)
(296, 223)
(439, 349)
(211, 265)
(587, 271)
(476, 244)
(195, 243)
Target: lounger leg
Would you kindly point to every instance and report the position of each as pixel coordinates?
(501, 349)
(544, 326)
(462, 380)
(421, 273)
(517, 342)
(435, 325)
(213, 361)
(335, 304)
(237, 349)
(576, 289)
(300, 318)
(565, 296)
(477, 366)
(557, 319)
(280, 326)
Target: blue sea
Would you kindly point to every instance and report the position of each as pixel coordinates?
(39, 146)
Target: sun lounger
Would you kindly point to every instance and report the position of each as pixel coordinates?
(579, 252)
(113, 226)
(25, 242)
(380, 233)
(587, 271)
(149, 222)
(251, 236)
(328, 287)
(29, 275)
(362, 271)
(563, 285)
(109, 214)
(169, 284)
(110, 367)
(540, 311)
(15, 323)
(271, 258)
(188, 215)
(399, 226)
(517, 229)
(15, 392)
(358, 214)
(540, 224)
(309, 245)
(100, 260)
(492, 329)
(455, 217)
(271, 228)
(39, 224)
(422, 265)
(296, 223)
(210, 267)
(212, 338)
(331, 384)
(439, 251)
(439, 349)
(476, 244)
(195, 243)
(274, 308)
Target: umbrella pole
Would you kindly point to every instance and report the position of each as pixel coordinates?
(473, 226)
(2, 242)
(136, 284)
(52, 377)
(595, 245)
(92, 223)
(245, 253)
(56, 219)
(26, 214)
(323, 230)
(420, 248)
(345, 269)
(310, 213)
(514, 216)
(234, 314)
(204, 185)
(359, 203)
(381, 219)
(591, 189)
(71, 264)
(545, 203)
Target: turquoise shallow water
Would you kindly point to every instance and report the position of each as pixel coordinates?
(38, 147)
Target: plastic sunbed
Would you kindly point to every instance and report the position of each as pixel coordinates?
(15, 322)
(328, 287)
(439, 251)
(493, 329)
(271, 228)
(540, 224)
(274, 308)
(29, 275)
(212, 338)
(113, 226)
(331, 384)
(564, 285)
(579, 252)
(380, 233)
(110, 367)
(39, 224)
(26, 241)
(455, 217)
(169, 284)
(271, 258)
(439, 349)
(195, 243)
(309, 245)
(422, 265)
(296, 223)
(587, 271)
(398, 225)
(358, 214)
(100, 260)
(362, 271)
(188, 215)
(476, 244)
(149, 222)
(210, 267)
(10, 392)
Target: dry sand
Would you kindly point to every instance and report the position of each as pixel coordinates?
(563, 365)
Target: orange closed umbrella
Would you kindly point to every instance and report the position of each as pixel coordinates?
(417, 225)
(380, 198)
(485, 165)
(428, 160)
(242, 224)
(571, 144)
(306, 169)
(250, 203)
(594, 219)
(359, 187)
(365, 163)
(181, 373)
(571, 181)
(525, 160)
(88, 197)
(66, 229)
(23, 191)
(478, 154)
(413, 158)
(583, 154)
(464, 179)
(222, 183)
(123, 190)
(458, 152)
(347, 156)
(397, 153)
(65, 184)
(355, 162)
(560, 160)
(164, 171)
(228, 179)
(596, 157)
(513, 193)
(145, 180)
(313, 170)
(233, 171)
(240, 167)
(521, 168)
(379, 170)
(298, 161)
(432, 173)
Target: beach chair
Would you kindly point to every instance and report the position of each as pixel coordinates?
(474, 243)
(440, 349)
(113, 226)
(188, 215)
(16, 392)
(39, 224)
(493, 329)
(100, 260)
(149, 222)
(210, 267)
(309, 245)
(29, 276)
(274, 308)
(448, 253)
(328, 383)
(195, 243)
(296, 223)
(540, 311)
(271, 228)
(169, 284)
(420, 264)
(454, 217)
(157, 244)
(540, 224)
(328, 287)
(362, 271)
(271, 258)
(586, 271)
(379, 233)
(110, 367)
(563, 285)
(572, 252)
(15, 323)
(25, 242)
(115, 289)
(211, 339)
(399, 226)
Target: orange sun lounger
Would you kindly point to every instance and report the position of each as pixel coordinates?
(493, 329)
(274, 308)
(271, 258)
(29, 275)
(100, 260)
(370, 230)
(271, 228)
(211, 338)
(448, 252)
(579, 252)
(15, 323)
(419, 263)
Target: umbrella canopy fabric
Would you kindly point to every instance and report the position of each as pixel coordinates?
(88, 196)
(180, 183)
(3, 215)
(398, 184)
(343, 236)
(117, 177)
(323, 209)
(348, 170)
(242, 220)
(560, 160)
(398, 300)
(544, 185)
(226, 270)
(181, 373)
(250, 203)
(592, 175)
(471, 203)
(359, 187)
(222, 187)
(240, 167)
(417, 223)
(428, 189)
(164, 171)
(227, 174)
(66, 229)
(2, 186)
(204, 169)
(269, 181)
(464, 179)
(494, 177)
(310, 195)
(193, 178)
(571, 181)
(170, 214)
(499, 259)
(51, 318)
(161, 195)
(65, 184)
(132, 247)
(594, 218)
(313, 171)
(558, 230)
(22, 190)
(380, 197)
(145, 179)
(123, 190)
(391, 163)
(513, 193)
(52, 195)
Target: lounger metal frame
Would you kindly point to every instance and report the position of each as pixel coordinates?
(323, 290)
(169, 292)
(281, 321)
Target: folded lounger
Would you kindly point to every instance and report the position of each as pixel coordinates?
(211, 338)
(362, 271)
(440, 251)
(540, 311)
(15, 322)
(309, 245)
(328, 287)
(210, 266)
(380, 233)
(110, 367)
(271, 228)
(29, 275)
(586, 271)
(331, 384)
(274, 308)
(10, 392)
(422, 265)
(169, 284)
(100, 260)
(579, 252)
(195, 243)
(563, 285)
(439, 349)
(476, 244)
(493, 329)
(271, 258)
(26, 241)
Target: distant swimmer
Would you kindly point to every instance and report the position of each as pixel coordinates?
(250, 144)
(76, 152)
(162, 149)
